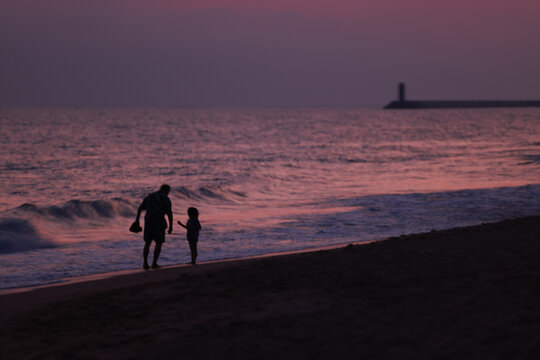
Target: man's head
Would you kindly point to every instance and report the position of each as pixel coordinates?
(165, 189)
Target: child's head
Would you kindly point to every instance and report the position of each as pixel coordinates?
(193, 213)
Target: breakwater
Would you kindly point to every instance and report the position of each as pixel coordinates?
(402, 103)
(445, 104)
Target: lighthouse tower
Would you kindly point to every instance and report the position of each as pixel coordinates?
(401, 92)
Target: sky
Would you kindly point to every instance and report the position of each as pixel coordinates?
(255, 53)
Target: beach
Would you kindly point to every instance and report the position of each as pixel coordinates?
(327, 225)
(470, 292)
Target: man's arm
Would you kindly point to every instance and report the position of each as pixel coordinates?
(139, 211)
(143, 206)
(169, 215)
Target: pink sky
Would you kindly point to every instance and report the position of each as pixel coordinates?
(265, 53)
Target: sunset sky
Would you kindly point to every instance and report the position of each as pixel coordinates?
(232, 53)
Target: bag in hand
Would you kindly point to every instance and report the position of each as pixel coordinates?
(135, 227)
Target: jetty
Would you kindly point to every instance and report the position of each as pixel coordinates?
(402, 103)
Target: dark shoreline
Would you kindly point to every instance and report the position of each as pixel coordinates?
(469, 292)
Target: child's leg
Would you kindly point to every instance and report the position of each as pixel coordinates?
(193, 248)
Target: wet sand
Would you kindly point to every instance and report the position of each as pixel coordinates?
(462, 293)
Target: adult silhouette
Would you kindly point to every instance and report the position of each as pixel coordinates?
(156, 205)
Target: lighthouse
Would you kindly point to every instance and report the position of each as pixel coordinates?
(401, 92)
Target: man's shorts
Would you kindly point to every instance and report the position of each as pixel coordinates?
(154, 232)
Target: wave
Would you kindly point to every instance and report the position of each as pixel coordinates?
(114, 208)
(80, 209)
(99, 210)
(206, 193)
(530, 160)
(17, 167)
(18, 235)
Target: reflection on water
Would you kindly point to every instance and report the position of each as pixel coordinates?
(263, 180)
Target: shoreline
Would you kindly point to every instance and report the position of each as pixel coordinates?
(468, 292)
(127, 272)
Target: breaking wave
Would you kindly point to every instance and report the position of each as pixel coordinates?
(19, 235)
(97, 211)
(79, 209)
(207, 193)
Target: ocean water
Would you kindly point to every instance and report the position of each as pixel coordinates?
(264, 180)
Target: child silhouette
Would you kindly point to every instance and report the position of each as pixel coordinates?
(193, 226)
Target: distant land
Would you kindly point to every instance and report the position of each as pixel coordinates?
(401, 103)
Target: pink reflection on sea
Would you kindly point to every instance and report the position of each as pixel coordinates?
(263, 180)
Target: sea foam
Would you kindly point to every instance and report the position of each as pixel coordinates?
(79, 209)
(20, 235)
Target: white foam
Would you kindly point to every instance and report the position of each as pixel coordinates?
(20, 235)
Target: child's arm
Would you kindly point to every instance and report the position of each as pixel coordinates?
(191, 226)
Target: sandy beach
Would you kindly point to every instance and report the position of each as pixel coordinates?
(463, 293)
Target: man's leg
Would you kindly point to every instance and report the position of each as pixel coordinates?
(157, 251)
(146, 250)
(159, 239)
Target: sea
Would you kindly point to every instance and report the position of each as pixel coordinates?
(264, 180)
